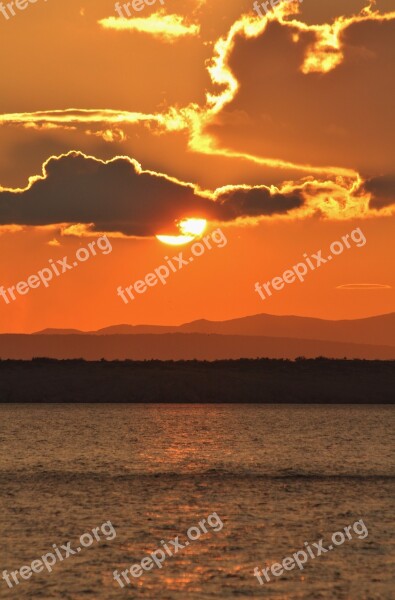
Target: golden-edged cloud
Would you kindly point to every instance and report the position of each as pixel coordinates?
(118, 196)
(160, 25)
(309, 119)
(333, 191)
(75, 116)
(83, 195)
(324, 54)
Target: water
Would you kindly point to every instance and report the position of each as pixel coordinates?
(277, 476)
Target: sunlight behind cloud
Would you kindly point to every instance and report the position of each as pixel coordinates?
(190, 229)
(193, 226)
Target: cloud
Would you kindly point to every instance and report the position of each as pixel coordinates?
(320, 63)
(10, 229)
(277, 137)
(364, 286)
(323, 54)
(119, 196)
(351, 41)
(255, 202)
(382, 189)
(159, 25)
(288, 49)
(74, 116)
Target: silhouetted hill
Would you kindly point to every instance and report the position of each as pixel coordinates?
(317, 381)
(51, 331)
(378, 330)
(179, 346)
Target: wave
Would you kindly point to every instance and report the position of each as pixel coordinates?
(216, 474)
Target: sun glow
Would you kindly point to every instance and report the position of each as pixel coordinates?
(189, 228)
(193, 227)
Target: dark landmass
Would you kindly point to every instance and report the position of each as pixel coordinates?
(180, 346)
(378, 330)
(319, 381)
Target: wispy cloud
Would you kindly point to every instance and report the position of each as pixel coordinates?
(74, 116)
(165, 27)
(364, 286)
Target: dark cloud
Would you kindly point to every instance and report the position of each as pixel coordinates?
(255, 202)
(382, 189)
(116, 197)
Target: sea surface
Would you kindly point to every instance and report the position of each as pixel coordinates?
(276, 476)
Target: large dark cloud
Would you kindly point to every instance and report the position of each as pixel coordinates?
(116, 197)
(383, 190)
(341, 118)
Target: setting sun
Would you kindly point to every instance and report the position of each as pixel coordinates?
(193, 227)
(190, 229)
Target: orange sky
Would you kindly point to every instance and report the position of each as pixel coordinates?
(293, 113)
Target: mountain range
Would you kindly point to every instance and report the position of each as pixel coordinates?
(378, 330)
(254, 336)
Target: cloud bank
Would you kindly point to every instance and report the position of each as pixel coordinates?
(119, 196)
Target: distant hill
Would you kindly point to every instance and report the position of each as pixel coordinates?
(180, 346)
(378, 331)
(50, 331)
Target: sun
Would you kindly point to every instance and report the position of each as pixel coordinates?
(193, 227)
(189, 228)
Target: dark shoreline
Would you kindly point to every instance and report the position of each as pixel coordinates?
(266, 381)
(183, 346)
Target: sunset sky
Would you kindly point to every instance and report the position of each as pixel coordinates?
(279, 130)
